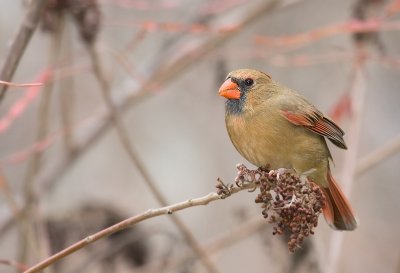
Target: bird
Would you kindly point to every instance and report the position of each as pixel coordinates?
(272, 125)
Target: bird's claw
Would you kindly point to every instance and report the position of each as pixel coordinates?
(280, 172)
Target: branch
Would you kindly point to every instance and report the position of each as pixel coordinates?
(287, 202)
(377, 156)
(226, 240)
(151, 213)
(18, 45)
(164, 75)
(358, 90)
(135, 159)
(14, 84)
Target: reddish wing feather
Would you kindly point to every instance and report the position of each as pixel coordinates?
(317, 123)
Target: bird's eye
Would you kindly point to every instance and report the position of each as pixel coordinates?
(248, 82)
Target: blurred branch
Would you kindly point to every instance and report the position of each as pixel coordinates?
(353, 26)
(224, 241)
(18, 107)
(142, 5)
(67, 95)
(392, 8)
(282, 210)
(20, 41)
(174, 27)
(8, 196)
(31, 210)
(20, 267)
(377, 156)
(167, 210)
(136, 162)
(162, 76)
(358, 93)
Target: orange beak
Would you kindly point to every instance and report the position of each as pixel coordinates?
(229, 90)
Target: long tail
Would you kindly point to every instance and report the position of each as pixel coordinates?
(337, 211)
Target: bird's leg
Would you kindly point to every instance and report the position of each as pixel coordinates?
(304, 176)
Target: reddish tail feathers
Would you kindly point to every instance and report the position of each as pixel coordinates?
(337, 211)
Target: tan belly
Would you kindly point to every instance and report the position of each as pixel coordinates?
(264, 143)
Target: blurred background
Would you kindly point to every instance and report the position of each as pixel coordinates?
(130, 106)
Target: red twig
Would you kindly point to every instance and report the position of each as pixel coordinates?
(143, 4)
(153, 26)
(352, 26)
(14, 84)
(20, 41)
(18, 108)
(217, 7)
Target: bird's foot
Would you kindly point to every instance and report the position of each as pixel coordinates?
(304, 176)
(280, 172)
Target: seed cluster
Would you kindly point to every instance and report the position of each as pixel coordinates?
(288, 202)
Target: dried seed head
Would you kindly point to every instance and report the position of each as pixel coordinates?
(288, 202)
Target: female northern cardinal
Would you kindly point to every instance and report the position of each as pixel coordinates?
(270, 124)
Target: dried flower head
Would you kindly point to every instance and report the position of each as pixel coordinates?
(290, 203)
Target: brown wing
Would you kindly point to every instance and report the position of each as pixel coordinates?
(314, 120)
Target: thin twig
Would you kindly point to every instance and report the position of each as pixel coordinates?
(377, 156)
(167, 210)
(67, 95)
(224, 241)
(358, 100)
(20, 41)
(31, 209)
(124, 138)
(14, 84)
(164, 75)
(8, 196)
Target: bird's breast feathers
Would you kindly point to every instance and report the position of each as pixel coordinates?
(267, 138)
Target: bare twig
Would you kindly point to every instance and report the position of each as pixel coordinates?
(378, 156)
(20, 41)
(124, 138)
(358, 87)
(164, 75)
(224, 241)
(67, 95)
(14, 84)
(31, 210)
(167, 210)
(8, 196)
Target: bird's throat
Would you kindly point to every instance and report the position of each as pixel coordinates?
(234, 106)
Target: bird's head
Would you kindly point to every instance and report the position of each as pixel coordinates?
(243, 89)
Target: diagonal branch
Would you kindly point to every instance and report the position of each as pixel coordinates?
(18, 45)
(358, 88)
(164, 75)
(136, 162)
(166, 210)
(377, 156)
